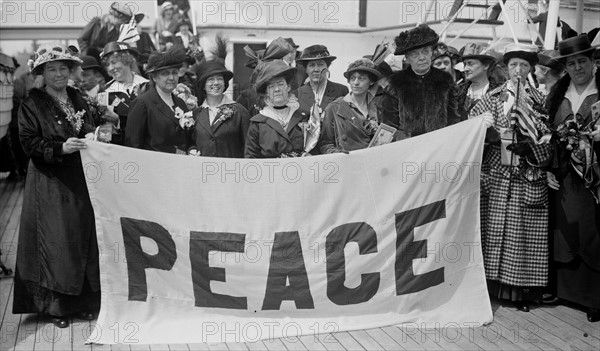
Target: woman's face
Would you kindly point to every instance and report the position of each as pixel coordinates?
(474, 69)
(580, 68)
(359, 83)
(277, 91)
(166, 79)
(540, 73)
(314, 69)
(120, 71)
(56, 75)
(518, 67)
(214, 85)
(444, 63)
(419, 59)
(168, 14)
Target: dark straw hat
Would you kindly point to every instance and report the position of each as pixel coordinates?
(362, 65)
(415, 38)
(172, 58)
(269, 70)
(526, 52)
(548, 58)
(211, 68)
(315, 52)
(475, 51)
(116, 46)
(574, 46)
(90, 63)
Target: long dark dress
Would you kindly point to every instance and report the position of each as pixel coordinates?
(57, 257)
(575, 216)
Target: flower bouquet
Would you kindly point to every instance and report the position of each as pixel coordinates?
(183, 92)
(225, 112)
(186, 119)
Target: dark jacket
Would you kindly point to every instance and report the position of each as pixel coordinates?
(267, 138)
(420, 104)
(306, 97)
(94, 35)
(223, 138)
(57, 240)
(152, 124)
(342, 129)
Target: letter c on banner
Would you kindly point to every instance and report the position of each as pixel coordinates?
(366, 238)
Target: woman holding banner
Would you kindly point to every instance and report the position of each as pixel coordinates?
(351, 121)
(159, 120)
(514, 195)
(221, 123)
(57, 259)
(276, 131)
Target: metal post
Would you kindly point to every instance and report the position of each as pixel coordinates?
(553, 7)
(579, 18)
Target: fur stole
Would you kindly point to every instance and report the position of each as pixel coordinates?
(422, 101)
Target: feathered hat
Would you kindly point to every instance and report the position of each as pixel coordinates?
(171, 58)
(214, 66)
(476, 51)
(362, 65)
(415, 38)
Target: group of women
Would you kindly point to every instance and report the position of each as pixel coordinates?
(57, 263)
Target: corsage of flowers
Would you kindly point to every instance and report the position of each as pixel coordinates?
(225, 112)
(75, 119)
(186, 119)
(570, 133)
(183, 92)
(96, 110)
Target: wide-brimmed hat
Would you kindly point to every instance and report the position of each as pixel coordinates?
(362, 65)
(574, 46)
(124, 13)
(265, 71)
(172, 58)
(211, 68)
(315, 52)
(49, 53)
(116, 46)
(548, 58)
(91, 63)
(167, 5)
(415, 38)
(476, 51)
(527, 52)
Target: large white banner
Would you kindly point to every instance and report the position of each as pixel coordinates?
(197, 249)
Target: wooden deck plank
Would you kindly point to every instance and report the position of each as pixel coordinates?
(311, 342)
(235, 346)
(256, 345)
(178, 347)
(274, 344)
(159, 347)
(218, 346)
(347, 341)
(365, 340)
(576, 318)
(523, 333)
(9, 329)
(27, 332)
(120, 347)
(139, 347)
(293, 344)
(396, 333)
(383, 339)
(557, 325)
(199, 347)
(63, 339)
(330, 342)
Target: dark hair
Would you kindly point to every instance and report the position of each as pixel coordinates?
(124, 57)
(588, 54)
(70, 64)
(372, 77)
(305, 63)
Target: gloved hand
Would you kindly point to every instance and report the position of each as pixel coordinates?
(520, 148)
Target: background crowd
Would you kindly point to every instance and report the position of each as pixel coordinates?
(540, 220)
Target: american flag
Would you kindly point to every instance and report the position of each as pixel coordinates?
(129, 33)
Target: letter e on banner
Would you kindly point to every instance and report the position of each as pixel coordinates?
(407, 249)
(201, 243)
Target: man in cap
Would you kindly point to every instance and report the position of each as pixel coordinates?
(102, 30)
(421, 98)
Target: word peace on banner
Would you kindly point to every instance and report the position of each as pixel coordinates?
(234, 250)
